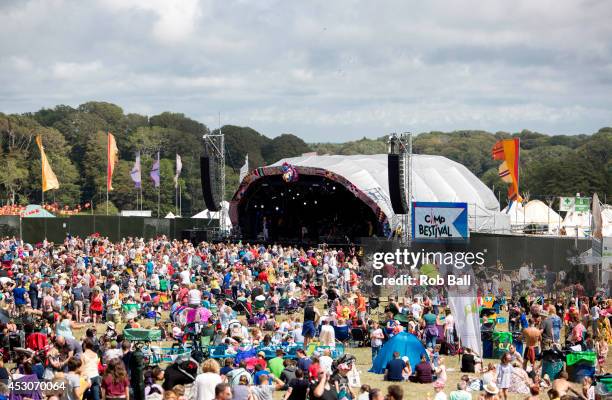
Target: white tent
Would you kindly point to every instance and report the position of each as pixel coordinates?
(606, 213)
(170, 215)
(516, 213)
(581, 221)
(535, 212)
(577, 221)
(206, 214)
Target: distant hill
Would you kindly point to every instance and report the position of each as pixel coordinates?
(75, 142)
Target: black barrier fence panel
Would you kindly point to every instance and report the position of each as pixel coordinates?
(82, 225)
(36, 230)
(56, 229)
(131, 227)
(108, 227)
(149, 228)
(9, 226)
(513, 251)
(502, 255)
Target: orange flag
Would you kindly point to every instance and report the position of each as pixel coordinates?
(508, 150)
(49, 180)
(112, 158)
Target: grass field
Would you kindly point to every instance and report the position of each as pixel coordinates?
(363, 356)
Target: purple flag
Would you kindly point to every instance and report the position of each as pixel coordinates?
(155, 172)
(135, 172)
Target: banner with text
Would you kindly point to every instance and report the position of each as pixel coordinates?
(439, 221)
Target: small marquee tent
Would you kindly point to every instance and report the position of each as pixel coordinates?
(406, 344)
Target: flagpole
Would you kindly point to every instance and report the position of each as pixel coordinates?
(158, 198)
(180, 200)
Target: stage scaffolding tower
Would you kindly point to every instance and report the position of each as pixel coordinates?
(214, 145)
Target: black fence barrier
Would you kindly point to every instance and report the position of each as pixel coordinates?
(35, 230)
(499, 257)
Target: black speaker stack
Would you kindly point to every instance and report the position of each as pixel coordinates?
(210, 186)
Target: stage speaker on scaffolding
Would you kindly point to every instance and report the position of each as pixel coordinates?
(210, 186)
(397, 168)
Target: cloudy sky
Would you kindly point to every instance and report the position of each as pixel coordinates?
(325, 70)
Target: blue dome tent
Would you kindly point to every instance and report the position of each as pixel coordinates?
(406, 344)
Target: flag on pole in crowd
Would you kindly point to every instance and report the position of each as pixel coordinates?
(49, 180)
(112, 158)
(179, 168)
(597, 218)
(155, 172)
(244, 170)
(508, 151)
(135, 172)
(465, 309)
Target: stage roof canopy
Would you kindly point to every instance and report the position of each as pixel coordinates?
(434, 179)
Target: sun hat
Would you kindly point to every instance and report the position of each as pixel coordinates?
(491, 388)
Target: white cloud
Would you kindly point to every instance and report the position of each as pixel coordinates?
(75, 71)
(175, 20)
(325, 70)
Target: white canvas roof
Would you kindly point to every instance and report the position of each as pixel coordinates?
(434, 178)
(206, 214)
(582, 222)
(534, 212)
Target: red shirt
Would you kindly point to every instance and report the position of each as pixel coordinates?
(313, 371)
(114, 389)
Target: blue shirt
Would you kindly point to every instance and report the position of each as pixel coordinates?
(19, 294)
(524, 322)
(304, 364)
(395, 368)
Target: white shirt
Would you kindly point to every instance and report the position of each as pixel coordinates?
(185, 277)
(205, 385)
(375, 335)
(440, 396)
(195, 296)
(416, 310)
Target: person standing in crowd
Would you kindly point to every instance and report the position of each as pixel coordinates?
(311, 319)
(504, 375)
(223, 392)
(376, 339)
(206, 381)
(115, 384)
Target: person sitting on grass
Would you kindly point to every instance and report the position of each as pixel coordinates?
(396, 368)
(422, 372)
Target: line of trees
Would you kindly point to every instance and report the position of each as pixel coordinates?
(75, 142)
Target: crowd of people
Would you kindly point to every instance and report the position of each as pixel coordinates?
(268, 301)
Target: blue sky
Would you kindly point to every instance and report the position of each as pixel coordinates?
(324, 70)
